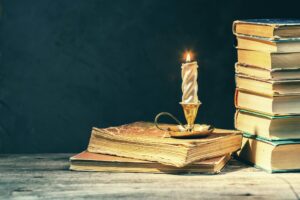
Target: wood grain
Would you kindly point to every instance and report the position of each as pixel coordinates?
(46, 176)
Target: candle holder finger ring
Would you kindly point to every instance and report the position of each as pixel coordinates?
(184, 131)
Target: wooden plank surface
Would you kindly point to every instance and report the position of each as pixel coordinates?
(46, 176)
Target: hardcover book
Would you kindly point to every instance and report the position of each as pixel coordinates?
(268, 87)
(270, 105)
(269, 127)
(268, 28)
(267, 60)
(267, 45)
(87, 161)
(267, 74)
(273, 156)
(142, 140)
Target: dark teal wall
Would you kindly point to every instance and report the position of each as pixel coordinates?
(68, 65)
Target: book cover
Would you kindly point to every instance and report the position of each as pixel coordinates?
(271, 22)
(269, 116)
(272, 142)
(267, 74)
(265, 39)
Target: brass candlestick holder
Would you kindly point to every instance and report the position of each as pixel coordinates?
(190, 104)
(190, 130)
(190, 112)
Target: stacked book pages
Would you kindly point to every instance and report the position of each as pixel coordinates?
(268, 92)
(141, 147)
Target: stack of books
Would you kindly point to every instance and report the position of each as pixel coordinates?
(268, 92)
(141, 147)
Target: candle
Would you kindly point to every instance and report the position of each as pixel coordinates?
(189, 74)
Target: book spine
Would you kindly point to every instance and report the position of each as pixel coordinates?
(236, 98)
(236, 68)
(234, 27)
(235, 117)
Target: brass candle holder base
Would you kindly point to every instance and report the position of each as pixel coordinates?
(191, 130)
(198, 131)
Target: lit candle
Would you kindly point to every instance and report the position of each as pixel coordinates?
(189, 74)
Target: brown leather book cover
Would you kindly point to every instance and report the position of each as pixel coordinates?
(86, 161)
(142, 140)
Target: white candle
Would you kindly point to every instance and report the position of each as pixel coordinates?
(189, 74)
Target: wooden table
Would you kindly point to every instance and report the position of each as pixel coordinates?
(46, 176)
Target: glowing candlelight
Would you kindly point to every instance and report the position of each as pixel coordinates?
(189, 74)
(188, 57)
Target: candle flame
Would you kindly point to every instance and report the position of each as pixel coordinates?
(188, 57)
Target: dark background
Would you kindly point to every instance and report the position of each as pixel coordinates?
(68, 65)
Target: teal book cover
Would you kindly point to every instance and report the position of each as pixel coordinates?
(272, 142)
(279, 22)
(268, 116)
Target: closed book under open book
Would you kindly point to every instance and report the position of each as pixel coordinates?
(87, 161)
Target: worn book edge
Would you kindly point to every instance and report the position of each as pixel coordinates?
(86, 161)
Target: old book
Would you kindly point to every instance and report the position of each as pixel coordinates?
(142, 140)
(270, 105)
(267, 74)
(273, 156)
(268, 87)
(267, 60)
(268, 28)
(268, 127)
(266, 45)
(87, 161)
